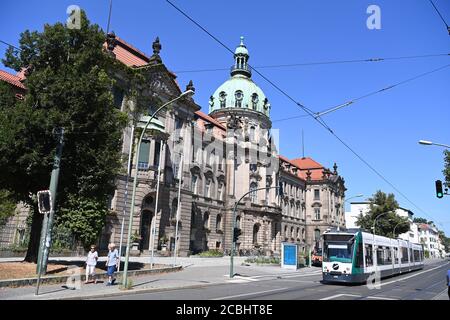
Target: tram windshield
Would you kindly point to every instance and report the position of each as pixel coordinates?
(338, 248)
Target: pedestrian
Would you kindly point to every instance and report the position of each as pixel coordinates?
(448, 282)
(91, 262)
(112, 263)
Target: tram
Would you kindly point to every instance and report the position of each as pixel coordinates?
(353, 255)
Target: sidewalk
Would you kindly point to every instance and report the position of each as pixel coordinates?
(197, 272)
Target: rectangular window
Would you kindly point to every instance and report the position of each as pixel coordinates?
(369, 255)
(380, 256)
(157, 153)
(144, 154)
(317, 213)
(316, 194)
(404, 255)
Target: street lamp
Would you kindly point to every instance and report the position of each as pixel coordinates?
(429, 143)
(393, 232)
(357, 196)
(130, 223)
(375, 221)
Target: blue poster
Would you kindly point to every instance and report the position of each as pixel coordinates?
(290, 255)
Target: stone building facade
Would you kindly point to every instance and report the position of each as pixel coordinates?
(228, 155)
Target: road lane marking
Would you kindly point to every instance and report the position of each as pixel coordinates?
(249, 294)
(340, 295)
(380, 298)
(416, 274)
(440, 294)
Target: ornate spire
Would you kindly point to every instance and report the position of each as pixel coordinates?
(155, 58)
(241, 57)
(335, 168)
(156, 46)
(190, 86)
(111, 42)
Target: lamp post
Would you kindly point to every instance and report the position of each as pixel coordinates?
(375, 221)
(429, 143)
(234, 225)
(393, 232)
(130, 223)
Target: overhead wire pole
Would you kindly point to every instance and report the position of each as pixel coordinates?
(109, 16)
(305, 109)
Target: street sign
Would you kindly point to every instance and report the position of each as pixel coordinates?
(289, 253)
(44, 201)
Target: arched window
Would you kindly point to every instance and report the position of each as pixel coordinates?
(223, 99)
(212, 158)
(286, 231)
(298, 233)
(292, 209)
(173, 212)
(254, 101)
(253, 193)
(238, 222)
(194, 184)
(292, 232)
(148, 200)
(220, 191)
(219, 222)
(316, 235)
(252, 133)
(208, 188)
(239, 96)
(303, 234)
(206, 220)
(255, 233)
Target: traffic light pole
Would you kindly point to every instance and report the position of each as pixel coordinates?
(233, 242)
(47, 223)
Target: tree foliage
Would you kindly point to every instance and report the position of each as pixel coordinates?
(7, 206)
(382, 207)
(69, 84)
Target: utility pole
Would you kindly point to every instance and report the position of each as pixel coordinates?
(47, 223)
(53, 190)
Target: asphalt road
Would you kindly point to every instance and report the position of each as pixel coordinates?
(426, 284)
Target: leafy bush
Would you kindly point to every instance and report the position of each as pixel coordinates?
(263, 260)
(212, 253)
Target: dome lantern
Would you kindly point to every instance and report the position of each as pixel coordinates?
(241, 57)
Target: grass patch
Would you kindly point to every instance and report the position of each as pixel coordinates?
(211, 253)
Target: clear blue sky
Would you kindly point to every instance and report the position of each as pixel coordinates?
(383, 128)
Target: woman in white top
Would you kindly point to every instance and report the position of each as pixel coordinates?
(91, 262)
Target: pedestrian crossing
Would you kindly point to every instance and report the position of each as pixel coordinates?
(248, 279)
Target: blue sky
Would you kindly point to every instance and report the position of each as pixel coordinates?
(383, 129)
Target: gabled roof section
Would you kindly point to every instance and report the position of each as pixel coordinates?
(128, 54)
(12, 79)
(210, 120)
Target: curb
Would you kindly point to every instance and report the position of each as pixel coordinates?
(139, 291)
(13, 283)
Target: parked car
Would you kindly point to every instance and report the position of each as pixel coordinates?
(316, 258)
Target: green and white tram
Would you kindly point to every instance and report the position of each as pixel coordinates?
(353, 255)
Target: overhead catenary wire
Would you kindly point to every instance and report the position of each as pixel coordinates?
(10, 45)
(440, 15)
(308, 111)
(322, 63)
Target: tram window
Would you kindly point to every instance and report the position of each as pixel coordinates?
(404, 255)
(359, 256)
(396, 255)
(369, 255)
(387, 255)
(380, 256)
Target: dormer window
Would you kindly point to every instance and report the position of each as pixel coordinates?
(254, 101)
(223, 99)
(239, 96)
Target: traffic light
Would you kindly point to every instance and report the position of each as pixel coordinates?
(439, 192)
(44, 201)
(236, 234)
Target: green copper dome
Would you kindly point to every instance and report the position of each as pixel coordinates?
(240, 92)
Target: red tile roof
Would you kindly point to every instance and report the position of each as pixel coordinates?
(12, 79)
(128, 54)
(306, 163)
(204, 116)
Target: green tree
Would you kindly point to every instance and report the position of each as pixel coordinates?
(384, 207)
(69, 82)
(420, 220)
(7, 206)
